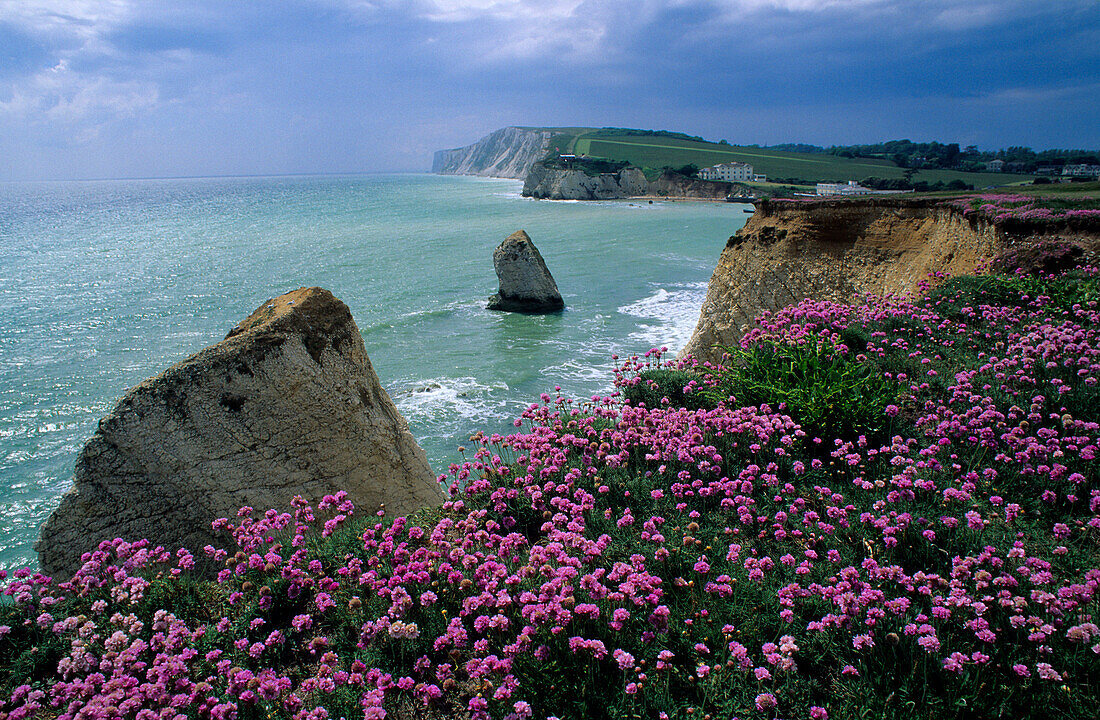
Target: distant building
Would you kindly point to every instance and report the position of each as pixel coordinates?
(759, 178)
(1081, 170)
(729, 172)
(995, 165)
(849, 188)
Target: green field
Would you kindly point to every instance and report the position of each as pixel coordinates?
(658, 151)
(1067, 191)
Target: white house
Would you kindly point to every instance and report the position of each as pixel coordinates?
(849, 188)
(1081, 170)
(729, 172)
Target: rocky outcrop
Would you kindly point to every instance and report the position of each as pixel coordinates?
(675, 185)
(555, 183)
(287, 404)
(833, 250)
(564, 184)
(506, 153)
(526, 285)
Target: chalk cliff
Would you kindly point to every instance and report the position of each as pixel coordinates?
(562, 184)
(287, 404)
(506, 153)
(833, 250)
(674, 185)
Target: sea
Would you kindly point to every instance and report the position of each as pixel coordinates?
(106, 283)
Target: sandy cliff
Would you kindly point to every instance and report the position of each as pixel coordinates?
(836, 250)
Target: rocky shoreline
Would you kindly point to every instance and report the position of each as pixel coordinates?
(544, 182)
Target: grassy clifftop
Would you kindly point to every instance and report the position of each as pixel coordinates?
(660, 149)
(889, 509)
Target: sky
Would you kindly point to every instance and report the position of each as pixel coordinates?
(164, 88)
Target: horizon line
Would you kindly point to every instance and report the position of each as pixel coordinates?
(223, 177)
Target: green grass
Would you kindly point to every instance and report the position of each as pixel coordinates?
(657, 151)
(1067, 191)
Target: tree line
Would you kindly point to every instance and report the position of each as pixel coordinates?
(949, 156)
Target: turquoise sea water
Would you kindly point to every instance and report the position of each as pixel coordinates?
(103, 284)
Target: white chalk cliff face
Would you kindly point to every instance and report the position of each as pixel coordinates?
(506, 153)
(288, 404)
(560, 184)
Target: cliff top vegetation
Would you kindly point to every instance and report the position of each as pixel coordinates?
(887, 509)
(588, 165)
(796, 164)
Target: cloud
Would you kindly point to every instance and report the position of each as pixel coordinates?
(66, 22)
(61, 95)
(1039, 95)
(523, 10)
(211, 86)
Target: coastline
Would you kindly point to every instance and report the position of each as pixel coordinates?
(660, 198)
(432, 234)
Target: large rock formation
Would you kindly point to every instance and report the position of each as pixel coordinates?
(575, 184)
(833, 250)
(525, 284)
(507, 153)
(288, 404)
(674, 185)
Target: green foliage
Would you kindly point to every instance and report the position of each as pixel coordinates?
(957, 297)
(655, 385)
(28, 653)
(690, 170)
(590, 166)
(657, 151)
(827, 391)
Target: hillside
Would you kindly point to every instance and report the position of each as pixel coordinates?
(811, 167)
(509, 152)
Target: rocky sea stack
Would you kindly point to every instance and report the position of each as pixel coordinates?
(287, 404)
(526, 285)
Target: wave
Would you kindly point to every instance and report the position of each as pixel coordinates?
(448, 400)
(670, 315)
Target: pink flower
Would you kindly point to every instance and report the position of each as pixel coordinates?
(1046, 672)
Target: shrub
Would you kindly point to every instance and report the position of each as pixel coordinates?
(654, 386)
(824, 389)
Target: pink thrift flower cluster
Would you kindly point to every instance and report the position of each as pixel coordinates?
(610, 559)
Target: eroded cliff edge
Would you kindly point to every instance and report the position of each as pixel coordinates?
(506, 153)
(837, 250)
(287, 404)
(556, 183)
(549, 183)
